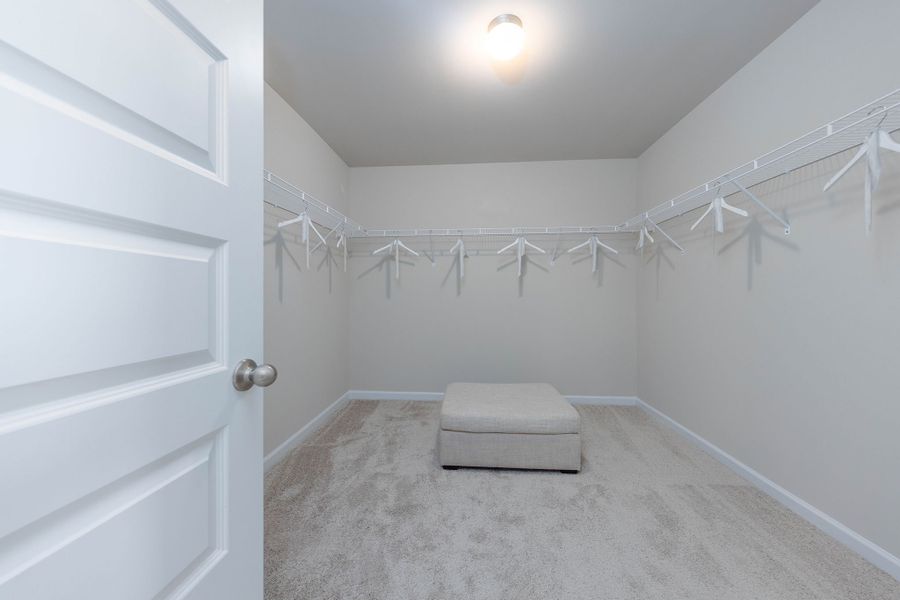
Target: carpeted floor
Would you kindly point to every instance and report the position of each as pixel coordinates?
(363, 510)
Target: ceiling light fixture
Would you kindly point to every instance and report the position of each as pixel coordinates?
(506, 38)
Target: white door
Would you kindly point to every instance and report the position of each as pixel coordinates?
(130, 286)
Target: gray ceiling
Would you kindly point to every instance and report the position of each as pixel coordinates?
(399, 82)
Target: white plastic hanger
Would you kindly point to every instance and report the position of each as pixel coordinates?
(342, 243)
(644, 234)
(459, 248)
(327, 235)
(430, 255)
(554, 254)
(303, 219)
(520, 244)
(759, 203)
(870, 148)
(595, 245)
(395, 247)
(718, 207)
(306, 224)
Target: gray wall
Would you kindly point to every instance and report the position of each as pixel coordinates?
(783, 351)
(305, 310)
(559, 324)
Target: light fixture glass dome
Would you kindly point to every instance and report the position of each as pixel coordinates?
(506, 38)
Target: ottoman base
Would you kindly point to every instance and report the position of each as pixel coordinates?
(556, 452)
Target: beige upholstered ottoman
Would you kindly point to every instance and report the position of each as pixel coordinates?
(514, 426)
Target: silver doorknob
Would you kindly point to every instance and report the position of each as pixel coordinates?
(247, 374)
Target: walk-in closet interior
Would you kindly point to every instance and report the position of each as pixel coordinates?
(445, 300)
(651, 208)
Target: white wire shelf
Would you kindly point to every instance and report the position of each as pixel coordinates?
(489, 231)
(283, 194)
(829, 139)
(287, 196)
(555, 245)
(832, 138)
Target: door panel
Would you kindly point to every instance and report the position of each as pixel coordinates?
(167, 509)
(158, 295)
(151, 78)
(130, 253)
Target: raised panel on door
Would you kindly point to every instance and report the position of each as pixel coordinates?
(145, 535)
(130, 236)
(155, 296)
(138, 70)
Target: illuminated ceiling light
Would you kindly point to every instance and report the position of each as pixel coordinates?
(506, 38)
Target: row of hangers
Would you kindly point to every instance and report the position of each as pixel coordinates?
(307, 226)
(871, 148)
(876, 141)
(520, 245)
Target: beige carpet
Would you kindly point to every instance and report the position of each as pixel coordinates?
(363, 510)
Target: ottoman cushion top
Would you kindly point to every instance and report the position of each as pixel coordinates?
(507, 408)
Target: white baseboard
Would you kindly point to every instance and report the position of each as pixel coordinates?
(437, 396)
(379, 395)
(862, 546)
(275, 456)
(603, 400)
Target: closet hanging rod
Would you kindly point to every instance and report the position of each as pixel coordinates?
(299, 201)
(832, 138)
(490, 231)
